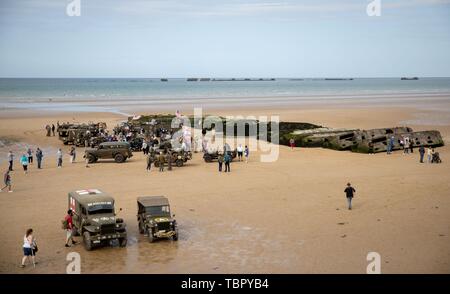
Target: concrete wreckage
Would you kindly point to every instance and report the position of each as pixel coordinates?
(362, 141)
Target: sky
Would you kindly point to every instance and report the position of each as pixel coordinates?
(224, 38)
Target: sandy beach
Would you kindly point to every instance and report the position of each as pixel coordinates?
(289, 216)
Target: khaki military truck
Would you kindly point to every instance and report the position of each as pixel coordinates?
(154, 218)
(119, 151)
(95, 219)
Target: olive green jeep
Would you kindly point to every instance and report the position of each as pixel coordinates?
(154, 218)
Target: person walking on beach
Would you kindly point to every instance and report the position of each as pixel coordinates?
(406, 146)
(149, 162)
(411, 146)
(429, 154)
(227, 159)
(246, 153)
(390, 145)
(240, 150)
(29, 247)
(422, 153)
(73, 154)
(48, 129)
(30, 155)
(220, 161)
(292, 143)
(68, 225)
(10, 160)
(59, 158)
(7, 181)
(349, 191)
(53, 129)
(24, 162)
(39, 156)
(161, 161)
(144, 147)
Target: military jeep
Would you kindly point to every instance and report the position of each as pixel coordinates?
(154, 218)
(94, 218)
(120, 151)
(179, 158)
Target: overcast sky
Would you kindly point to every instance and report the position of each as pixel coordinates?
(224, 38)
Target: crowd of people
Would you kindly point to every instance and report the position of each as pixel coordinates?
(407, 146)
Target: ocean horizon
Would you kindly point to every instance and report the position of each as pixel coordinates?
(123, 94)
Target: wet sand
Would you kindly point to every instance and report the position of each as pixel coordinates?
(284, 217)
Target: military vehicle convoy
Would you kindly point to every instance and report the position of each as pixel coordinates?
(119, 151)
(154, 218)
(78, 134)
(95, 219)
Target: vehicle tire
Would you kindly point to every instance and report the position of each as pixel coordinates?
(87, 241)
(123, 242)
(207, 158)
(150, 236)
(91, 158)
(175, 237)
(119, 158)
(179, 162)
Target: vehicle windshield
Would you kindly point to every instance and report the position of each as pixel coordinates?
(100, 209)
(158, 210)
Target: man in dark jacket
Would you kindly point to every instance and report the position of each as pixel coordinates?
(349, 191)
(227, 159)
(422, 153)
(39, 156)
(220, 160)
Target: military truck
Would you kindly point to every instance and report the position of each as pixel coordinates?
(119, 151)
(154, 218)
(95, 219)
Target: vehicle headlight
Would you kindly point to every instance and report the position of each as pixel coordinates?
(117, 226)
(179, 157)
(98, 228)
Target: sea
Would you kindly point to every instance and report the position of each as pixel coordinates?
(116, 94)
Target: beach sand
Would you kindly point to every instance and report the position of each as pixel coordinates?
(289, 216)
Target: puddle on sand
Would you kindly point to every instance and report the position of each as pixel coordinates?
(202, 248)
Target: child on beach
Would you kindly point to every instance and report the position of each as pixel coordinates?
(7, 181)
(292, 143)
